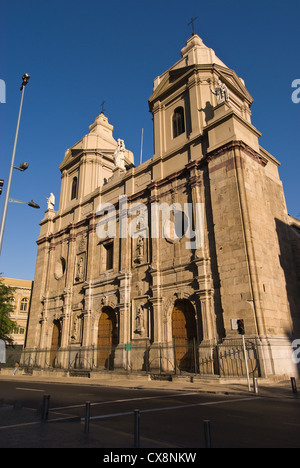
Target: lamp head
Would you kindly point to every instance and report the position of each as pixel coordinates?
(33, 204)
(25, 79)
(23, 166)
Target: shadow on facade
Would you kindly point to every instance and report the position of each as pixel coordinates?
(289, 257)
(213, 256)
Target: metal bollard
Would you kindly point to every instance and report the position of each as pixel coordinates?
(255, 386)
(45, 410)
(87, 417)
(207, 436)
(294, 385)
(136, 428)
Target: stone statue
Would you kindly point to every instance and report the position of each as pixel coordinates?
(140, 248)
(119, 155)
(50, 202)
(80, 270)
(221, 92)
(76, 328)
(139, 320)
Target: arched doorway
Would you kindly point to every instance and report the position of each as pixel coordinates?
(184, 333)
(107, 338)
(55, 342)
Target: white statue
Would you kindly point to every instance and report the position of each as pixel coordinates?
(51, 202)
(221, 92)
(119, 155)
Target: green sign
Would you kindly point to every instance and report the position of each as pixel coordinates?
(127, 346)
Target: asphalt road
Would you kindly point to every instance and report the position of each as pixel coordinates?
(168, 419)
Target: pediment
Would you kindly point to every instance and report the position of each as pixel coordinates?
(230, 78)
(171, 79)
(70, 157)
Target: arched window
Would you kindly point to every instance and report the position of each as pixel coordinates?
(74, 188)
(178, 122)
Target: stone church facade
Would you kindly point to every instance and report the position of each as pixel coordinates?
(149, 267)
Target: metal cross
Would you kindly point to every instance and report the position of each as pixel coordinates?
(192, 23)
(102, 105)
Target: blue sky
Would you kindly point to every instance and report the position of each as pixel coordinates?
(79, 54)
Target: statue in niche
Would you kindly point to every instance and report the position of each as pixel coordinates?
(221, 92)
(119, 155)
(140, 248)
(75, 328)
(79, 276)
(139, 320)
(50, 202)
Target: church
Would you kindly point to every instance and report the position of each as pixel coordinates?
(168, 266)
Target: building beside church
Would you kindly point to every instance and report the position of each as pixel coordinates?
(149, 267)
(21, 303)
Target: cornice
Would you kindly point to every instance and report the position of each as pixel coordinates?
(149, 193)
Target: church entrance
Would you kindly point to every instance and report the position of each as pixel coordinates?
(184, 333)
(55, 343)
(107, 338)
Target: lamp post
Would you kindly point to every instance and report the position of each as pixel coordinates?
(25, 79)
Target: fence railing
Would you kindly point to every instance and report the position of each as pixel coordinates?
(223, 359)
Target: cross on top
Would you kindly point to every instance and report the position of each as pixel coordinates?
(102, 107)
(192, 23)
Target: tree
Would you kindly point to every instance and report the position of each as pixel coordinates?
(7, 326)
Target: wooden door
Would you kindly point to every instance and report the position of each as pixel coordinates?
(184, 332)
(107, 339)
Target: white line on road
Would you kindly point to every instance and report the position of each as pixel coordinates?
(124, 400)
(168, 408)
(29, 389)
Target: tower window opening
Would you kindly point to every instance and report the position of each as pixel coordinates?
(178, 122)
(74, 188)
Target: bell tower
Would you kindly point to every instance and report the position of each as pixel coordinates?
(184, 99)
(89, 163)
(202, 122)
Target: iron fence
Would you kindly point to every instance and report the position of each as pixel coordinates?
(176, 358)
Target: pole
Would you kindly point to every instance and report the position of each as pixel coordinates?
(141, 155)
(136, 428)
(10, 172)
(255, 386)
(45, 407)
(246, 362)
(294, 385)
(87, 416)
(207, 434)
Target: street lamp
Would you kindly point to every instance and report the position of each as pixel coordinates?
(23, 166)
(31, 203)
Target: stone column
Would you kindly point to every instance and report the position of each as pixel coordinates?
(121, 358)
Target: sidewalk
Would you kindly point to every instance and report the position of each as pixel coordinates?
(265, 387)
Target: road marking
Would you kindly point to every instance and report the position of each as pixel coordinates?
(20, 425)
(124, 400)
(291, 424)
(169, 408)
(29, 389)
(32, 423)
